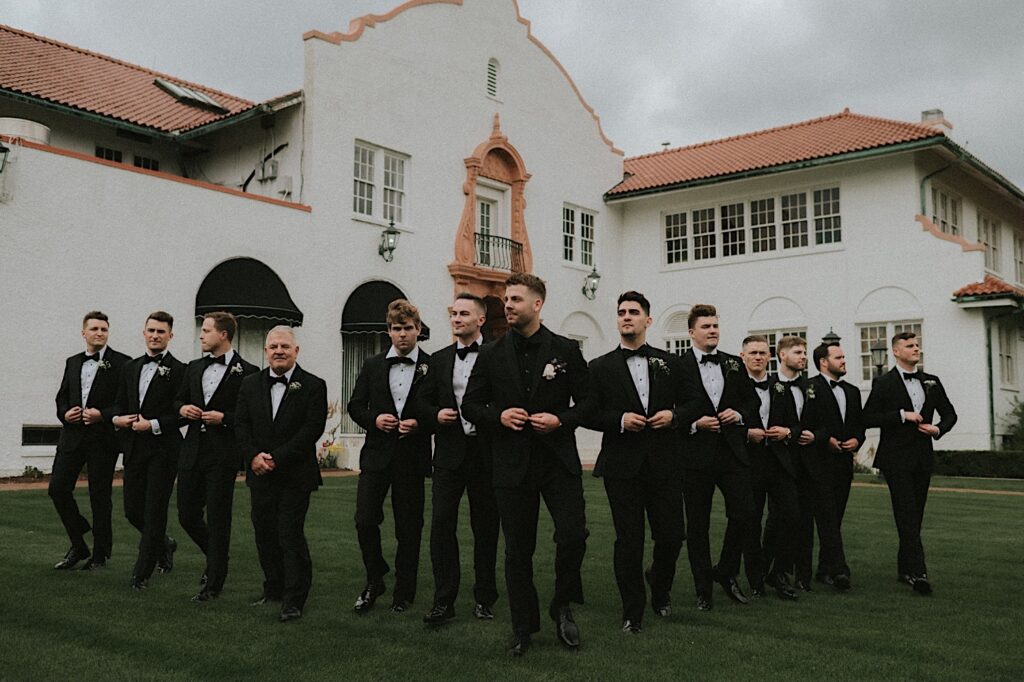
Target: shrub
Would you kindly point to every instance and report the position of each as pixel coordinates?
(31, 472)
(1015, 420)
(980, 463)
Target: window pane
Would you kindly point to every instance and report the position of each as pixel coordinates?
(762, 225)
(586, 238)
(734, 236)
(794, 220)
(362, 174)
(675, 238)
(704, 234)
(568, 233)
(827, 226)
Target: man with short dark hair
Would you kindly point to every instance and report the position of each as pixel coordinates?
(395, 456)
(635, 391)
(210, 458)
(85, 405)
(527, 390)
(832, 416)
(462, 464)
(903, 403)
(147, 424)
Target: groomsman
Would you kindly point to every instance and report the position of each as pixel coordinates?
(148, 426)
(634, 393)
(280, 416)
(85, 404)
(716, 397)
(210, 458)
(527, 391)
(774, 427)
(903, 402)
(395, 456)
(462, 463)
(832, 415)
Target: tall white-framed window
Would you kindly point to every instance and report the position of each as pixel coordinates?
(875, 332)
(1008, 355)
(675, 238)
(794, 220)
(493, 70)
(704, 236)
(578, 235)
(568, 234)
(1018, 257)
(586, 238)
(989, 234)
(677, 337)
(734, 234)
(485, 215)
(356, 347)
(762, 225)
(379, 180)
(946, 211)
(827, 223)
(773, 336)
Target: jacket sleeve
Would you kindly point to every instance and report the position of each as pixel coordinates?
(171, 419)
(947, 414)
(120, 405)
(428, 401)
(579, 376)
(597, 414)
(182, 398)
(359, 402)
(857, 423)
(248, 369)
(63, 399)
(477, 404)
(877, 411)
(313, 422)
(244, 432)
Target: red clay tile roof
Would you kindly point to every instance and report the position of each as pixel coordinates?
(818, 138)
(991, 286)
(53, 71)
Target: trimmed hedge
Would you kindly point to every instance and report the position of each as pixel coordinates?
(980, 463)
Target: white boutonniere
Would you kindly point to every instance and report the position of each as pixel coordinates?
(422, 369)
(237, 369)
(780, 388)
(658, 365)
(553, 369)
(294, 386)
(810, 392)
(104, 365)
(163, 370)
(930, 384)
(731, 366)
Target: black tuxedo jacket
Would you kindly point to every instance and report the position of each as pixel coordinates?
(902, 446)
(613, 393)
(497, 384)
(822, 418)
(700, 448)
(102, 396)
(158, 404)
(781, 412)
(291, 438)
(221, 439)
(436, 394)
(371, 397)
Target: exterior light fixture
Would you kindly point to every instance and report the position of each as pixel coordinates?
(590, 283)
(388, 242)
(878, 353)
(831, 338)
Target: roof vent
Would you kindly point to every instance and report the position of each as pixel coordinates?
(936, 119)
(190, 96)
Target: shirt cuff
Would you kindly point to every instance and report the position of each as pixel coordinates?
(693, 428)
(622, 423)
(903, 416)
(154, 425)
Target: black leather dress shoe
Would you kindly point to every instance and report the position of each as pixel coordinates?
(202, 579)
(703, 602)
(802, 585)
(138, 584)
(631, 626)
(73, 556)
(519, 645)
(264, 599)
(483, 612)
(94, 564)
(206, 595)
(661, 604)
(757, 591)
(905, 578)
(733, 591)
(782, 588)
(922, 586)
(565, 628)
(166, 562)
(368, 597)
(400, 606)
(439, 615)
(841, 582)
(289, 613)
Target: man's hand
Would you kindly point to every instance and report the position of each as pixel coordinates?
(73, 415)
(407, 427)
(191, 412)
(708, 424)
(778, 433)
(928, 429)
(850, 445)
(212, 418)
(386, 422)
(140, 425)
(834, 445)
(447, 416)
(124, 421)
(544, 422)
(262, 463)
(91, 415)
(729, 416)
(661, 419)
(806, 438)
(756, 435)
(912, 418)
(631, 421)
(514, 418)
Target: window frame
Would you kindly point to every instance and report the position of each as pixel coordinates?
(990, 235)
(890, 328)
(379, 184)
(578, 249)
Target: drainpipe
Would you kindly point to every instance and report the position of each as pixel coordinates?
(958, 160)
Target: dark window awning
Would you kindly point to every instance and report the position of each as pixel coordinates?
(366, 309)
(245, 287)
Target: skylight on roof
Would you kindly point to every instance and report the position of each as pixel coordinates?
(190, 96)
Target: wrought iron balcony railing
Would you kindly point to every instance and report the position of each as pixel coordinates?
(499, 253)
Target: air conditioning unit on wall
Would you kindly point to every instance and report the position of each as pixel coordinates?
(267, 170)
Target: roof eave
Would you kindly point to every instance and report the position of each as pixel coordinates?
(87, 115)
(990, 301)
(984, 169)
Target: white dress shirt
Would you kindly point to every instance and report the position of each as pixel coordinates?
(640, 371)
(765, 396)
(88, 375)
(915, 389)
(277, 391)
(401, 376)
(712, 376)
(460, 380)
(214, 374)
(798, 395)
(149, 371)
(840, 395)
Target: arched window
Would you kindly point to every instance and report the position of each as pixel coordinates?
(677, 333)
(492, 78)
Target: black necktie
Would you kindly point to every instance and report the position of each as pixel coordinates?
(832, 384)
(629, 352)
(153, 358)
(761, 385)
(400, 360)
(219, 360)
(466, 350)
(283, 379)
(95, 356)
(710, 358)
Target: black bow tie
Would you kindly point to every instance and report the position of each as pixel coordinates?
(153, 358)
(219, 360)
(466, 350)
(629, 352)
(761, 385)
(400, 360)
(95, 356)
(913, 375)
(711, 357)
(283, 379)
(832, 384)
(795, 383)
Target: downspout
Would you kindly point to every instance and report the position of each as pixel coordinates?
(958, 160)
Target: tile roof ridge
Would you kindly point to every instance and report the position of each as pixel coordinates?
(121, 62)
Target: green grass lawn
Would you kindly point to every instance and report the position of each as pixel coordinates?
(90, 626)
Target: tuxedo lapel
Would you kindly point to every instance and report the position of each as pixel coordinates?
(196, 388)
(899, 387)
(626, 379)
(268, 406)
(700, 380)
(831, 397)
(75, 380)
(543, 357)
(236, 360)
(445, 366)
(383, 384)
(286, 399)
(512, 361)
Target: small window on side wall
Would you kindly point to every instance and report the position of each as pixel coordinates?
(492, 78)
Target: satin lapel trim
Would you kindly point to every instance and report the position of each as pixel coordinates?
(445, 363)
(908, 402)
(543, 357)
(700, 380)
(268, 406)
(627, 377)
(197, 386)
(286, 399)
(75, 382)
(236, 359)
(384, 380)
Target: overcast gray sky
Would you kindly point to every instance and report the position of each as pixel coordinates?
(681, 71)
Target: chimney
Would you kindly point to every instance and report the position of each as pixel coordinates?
(936, 119)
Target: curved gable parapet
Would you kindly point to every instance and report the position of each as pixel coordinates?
(358, 25)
